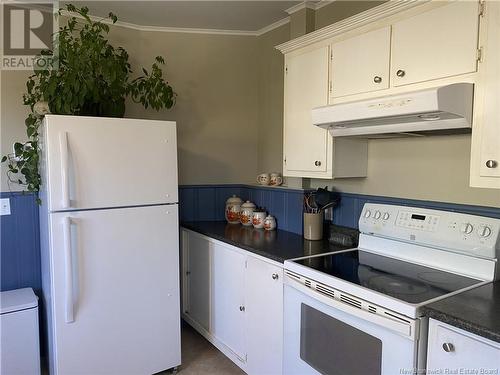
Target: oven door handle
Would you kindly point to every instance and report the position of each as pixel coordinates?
(407, 329)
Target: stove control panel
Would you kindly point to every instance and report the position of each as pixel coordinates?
(468, 234)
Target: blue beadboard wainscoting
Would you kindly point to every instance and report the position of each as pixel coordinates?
(20, 238)
(20, 244)
(207, 202)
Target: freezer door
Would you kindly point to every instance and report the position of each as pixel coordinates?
(93, 162)
(115, 288)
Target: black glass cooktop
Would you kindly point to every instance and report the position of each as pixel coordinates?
(402, 280)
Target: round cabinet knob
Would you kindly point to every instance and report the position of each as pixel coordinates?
(275, 276)
(448, 347)
(242, 308)
(377, 215)
(400, 73)
(317, 163)
(367, 214)
(484, 231)
(386, 216)
(377, 79)
(491, 164)
(466, 228)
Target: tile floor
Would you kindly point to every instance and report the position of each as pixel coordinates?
(200, 357)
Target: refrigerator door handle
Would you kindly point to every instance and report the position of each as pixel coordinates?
(68, 271)
(63, 145)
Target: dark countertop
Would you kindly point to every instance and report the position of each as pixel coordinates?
(278, 245)
(476, 311)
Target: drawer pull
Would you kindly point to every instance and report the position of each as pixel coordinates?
(275, 276)
(377, 79)
(448, 347)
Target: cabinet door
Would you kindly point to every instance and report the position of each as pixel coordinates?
(196, 281)
(452, 349)
(227, 321)
(361, 64)
(306, 86)
(264, 292)
(439, 43)
(490, 96)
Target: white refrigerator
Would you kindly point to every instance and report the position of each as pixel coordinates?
(110, 246)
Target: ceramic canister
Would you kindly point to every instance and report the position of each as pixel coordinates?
(258, 219)
(270, 223)
(246, 213)
(233, 208)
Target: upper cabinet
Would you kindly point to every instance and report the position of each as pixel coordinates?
(306, 86)
(310, 151)
(361, 64)
(485, 150)
(439, 43)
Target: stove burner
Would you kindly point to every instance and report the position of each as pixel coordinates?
(392, 285)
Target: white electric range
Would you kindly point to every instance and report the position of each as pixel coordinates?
(359, 311)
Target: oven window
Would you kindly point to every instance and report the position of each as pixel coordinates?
(335, 348)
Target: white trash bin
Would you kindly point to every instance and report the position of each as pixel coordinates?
(20, 347)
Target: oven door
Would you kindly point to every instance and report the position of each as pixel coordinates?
(325, 336)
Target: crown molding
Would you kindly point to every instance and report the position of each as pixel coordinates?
(188, 30)
(272, 26)
(369, 16)
(300, 6)
(323, 3)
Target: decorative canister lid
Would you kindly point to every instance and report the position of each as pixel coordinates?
(269, 217)
(248, 204)
(234, 200)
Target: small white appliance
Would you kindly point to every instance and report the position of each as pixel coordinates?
(110, 246)
(439, 110)
(19, 344)
(359, 311)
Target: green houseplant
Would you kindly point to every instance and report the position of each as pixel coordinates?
(90, 77)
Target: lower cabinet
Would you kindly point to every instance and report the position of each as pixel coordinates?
(454, 351)
(227, 298)
(235, 300)
(264, 298)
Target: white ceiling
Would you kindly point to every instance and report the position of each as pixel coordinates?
(220, 15)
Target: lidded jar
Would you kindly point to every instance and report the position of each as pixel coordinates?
(233, 208)
(246, 213)
(270, 223)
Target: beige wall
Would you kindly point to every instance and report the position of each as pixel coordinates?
(270, 140)
(340, 9)
(216, 79)
(12, 115)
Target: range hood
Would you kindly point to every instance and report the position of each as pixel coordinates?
(439, 110)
